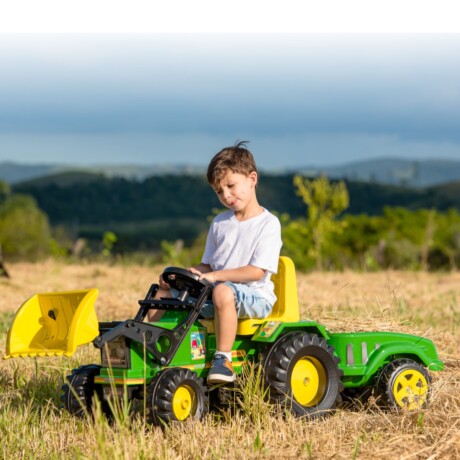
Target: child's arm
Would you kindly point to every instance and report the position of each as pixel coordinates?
(200, 269)
(244, 274)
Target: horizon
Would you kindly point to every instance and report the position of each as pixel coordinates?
(203, 166)
(395, 171)
(337, 165)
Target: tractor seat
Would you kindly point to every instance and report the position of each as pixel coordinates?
(286, 308)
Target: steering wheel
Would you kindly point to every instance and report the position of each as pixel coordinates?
(184, 281)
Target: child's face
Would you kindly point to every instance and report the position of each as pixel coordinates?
(237, 191)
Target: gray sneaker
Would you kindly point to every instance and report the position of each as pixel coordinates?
(221, 370)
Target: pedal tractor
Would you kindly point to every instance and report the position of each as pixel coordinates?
(305, 366)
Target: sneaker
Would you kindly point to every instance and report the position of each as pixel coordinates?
(221, 370)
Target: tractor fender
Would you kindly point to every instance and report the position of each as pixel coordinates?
(387, 352)
(269, 331)
(53, 324)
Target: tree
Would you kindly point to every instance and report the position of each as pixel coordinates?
(296, 236)
(5, 191)
(446, 241)
(408, 237)
(24, 228)
(358, 245)
(108, 240)
(325, 201)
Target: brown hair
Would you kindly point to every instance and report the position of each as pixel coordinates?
(237, 159)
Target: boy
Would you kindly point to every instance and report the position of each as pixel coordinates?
(241, 253)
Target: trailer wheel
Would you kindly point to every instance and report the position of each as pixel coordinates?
(80, 389)
(176, 394)
(404, 384)
(302, 373)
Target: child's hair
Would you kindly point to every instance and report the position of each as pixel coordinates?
(237, 159)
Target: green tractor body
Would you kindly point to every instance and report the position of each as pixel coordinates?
(306, 367)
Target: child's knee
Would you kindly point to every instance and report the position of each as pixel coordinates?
(222, 296)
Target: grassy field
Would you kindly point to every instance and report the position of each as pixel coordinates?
(32, 424)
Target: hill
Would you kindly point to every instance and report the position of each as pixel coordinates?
(391, 171)
(170, 207)
(15, 173)
(394, 171)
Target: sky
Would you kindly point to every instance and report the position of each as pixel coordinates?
(122, 92)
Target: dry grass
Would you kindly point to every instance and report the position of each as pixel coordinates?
(33, 426)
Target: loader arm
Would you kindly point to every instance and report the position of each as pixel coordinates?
(159, 341)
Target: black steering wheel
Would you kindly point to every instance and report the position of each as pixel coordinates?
(184, 281)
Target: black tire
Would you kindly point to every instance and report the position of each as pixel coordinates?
(302, 374)
(80, 389)
(404, 384)
(175, 395)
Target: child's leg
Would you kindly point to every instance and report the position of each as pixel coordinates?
(231, 301)
(225, 325)
(226, 317)
(155, 315)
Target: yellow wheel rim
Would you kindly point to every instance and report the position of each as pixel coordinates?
(410, 389)
(308, 381)
(183, 402)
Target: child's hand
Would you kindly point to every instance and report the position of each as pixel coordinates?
(209, 277)
(194, 271)
(163, 284)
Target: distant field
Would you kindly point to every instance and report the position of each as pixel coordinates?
(32, 424)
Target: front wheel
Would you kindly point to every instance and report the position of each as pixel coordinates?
(302, 373)
(176, 394)
(404, 384)
(79, 391)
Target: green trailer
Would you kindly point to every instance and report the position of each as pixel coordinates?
(305, 367)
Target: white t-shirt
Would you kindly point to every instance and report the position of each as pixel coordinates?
(234, 244)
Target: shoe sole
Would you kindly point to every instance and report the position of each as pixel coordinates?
(220, 378)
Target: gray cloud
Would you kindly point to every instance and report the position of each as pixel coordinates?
(382, 94)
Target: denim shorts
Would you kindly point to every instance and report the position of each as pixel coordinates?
(248, 302)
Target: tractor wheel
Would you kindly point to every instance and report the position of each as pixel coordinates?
(80, 389)
(302, 374)
(176, 394)
(404, 384)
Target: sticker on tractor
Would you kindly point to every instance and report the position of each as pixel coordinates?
(197, 345)
(269, 329)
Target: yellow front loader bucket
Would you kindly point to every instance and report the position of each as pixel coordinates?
(53, 324)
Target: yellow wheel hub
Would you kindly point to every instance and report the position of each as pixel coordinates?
(183, 402)
(308, 381)
(410, 389)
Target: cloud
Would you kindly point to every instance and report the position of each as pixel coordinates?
(394, 94)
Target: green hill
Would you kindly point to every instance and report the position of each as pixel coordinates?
(390, 171)
(144, 212)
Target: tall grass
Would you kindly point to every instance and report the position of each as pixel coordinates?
(33, 425)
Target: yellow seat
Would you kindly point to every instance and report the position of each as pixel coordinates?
(286, 308)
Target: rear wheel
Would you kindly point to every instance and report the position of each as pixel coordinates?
(404, 384)
(79, 391)
(176, 394)
(302, 373)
